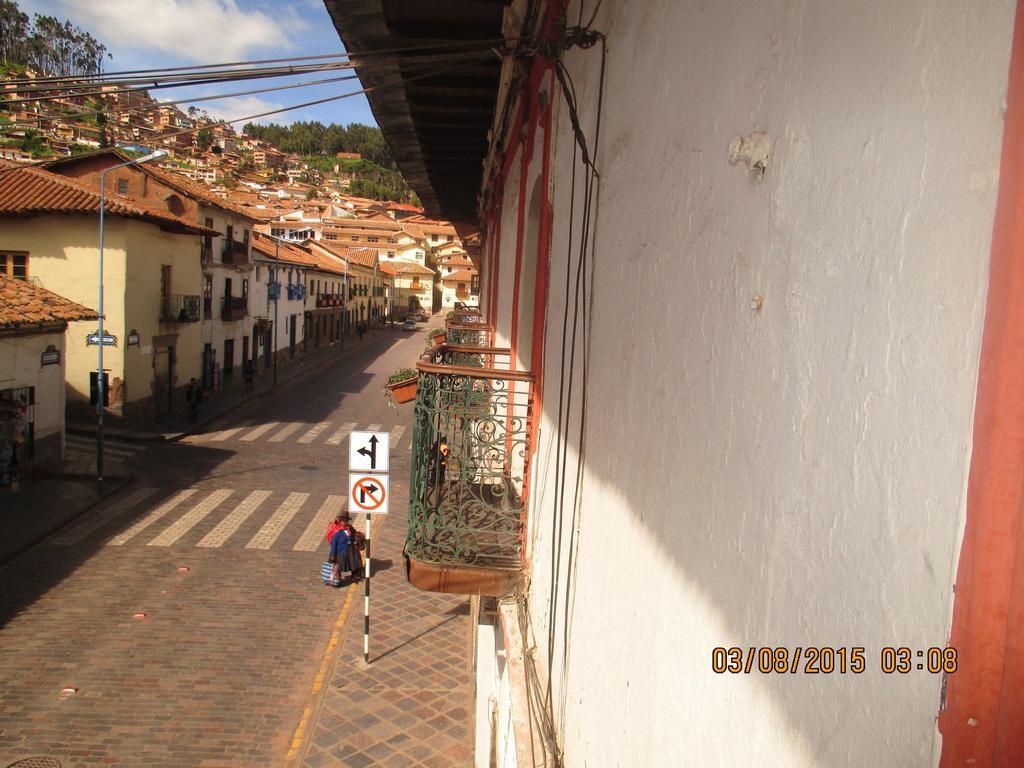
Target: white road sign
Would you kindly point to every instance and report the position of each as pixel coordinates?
(369, 451)
(368, 493)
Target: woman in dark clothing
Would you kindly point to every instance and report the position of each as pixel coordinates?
(344, 542)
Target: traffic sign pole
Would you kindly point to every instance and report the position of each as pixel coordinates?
(366, 593)
(368, 464)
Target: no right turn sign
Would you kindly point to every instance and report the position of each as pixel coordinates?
(368, 493)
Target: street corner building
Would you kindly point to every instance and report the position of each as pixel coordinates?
(33, 322)
(728, 454)
(151, 337)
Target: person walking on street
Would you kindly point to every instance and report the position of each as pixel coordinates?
(193, 396)
(361, 329)
(248, 373)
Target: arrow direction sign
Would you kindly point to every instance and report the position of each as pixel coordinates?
(368, 493)
(369, 451)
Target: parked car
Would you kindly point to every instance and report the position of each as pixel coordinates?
(419, 317)
(409, 324)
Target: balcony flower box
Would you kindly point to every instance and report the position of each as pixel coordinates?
(401, 386)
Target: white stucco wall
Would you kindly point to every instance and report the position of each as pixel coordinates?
(20, 366)
(785, 470)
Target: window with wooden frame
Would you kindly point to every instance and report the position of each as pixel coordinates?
(14, 264)
(165, 280)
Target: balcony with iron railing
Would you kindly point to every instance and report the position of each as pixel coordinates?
(329, 300)
(296, 291)
(472, 431)
(235, 253)
(179, 309)
(475, 333)
(234, 308)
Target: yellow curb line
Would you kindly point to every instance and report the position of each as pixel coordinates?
(325, 663)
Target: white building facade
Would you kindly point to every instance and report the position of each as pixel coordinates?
(743, 262)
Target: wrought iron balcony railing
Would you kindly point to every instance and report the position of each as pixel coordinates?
(472, 427)
(296, 291)
(469, 334)
(234, 308)
(179, 309)
(329, 300)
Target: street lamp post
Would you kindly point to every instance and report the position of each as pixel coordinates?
(100, 388)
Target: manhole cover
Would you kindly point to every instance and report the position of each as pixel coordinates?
(36, 762)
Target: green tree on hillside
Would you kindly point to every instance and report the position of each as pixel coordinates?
(48, 44)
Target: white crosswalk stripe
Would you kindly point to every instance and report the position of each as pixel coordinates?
(373, 428)
(315, 532)
(93, 523)
(262, 428)
(267, 535)
(185, 509)
(396, 435)
(283, 434)
(184, 524)
(314, 433)
(342, 433)
(224, 434)
(151, 517)
(227, 527)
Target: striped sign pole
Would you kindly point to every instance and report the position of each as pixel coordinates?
(366, 595)
(368, 462)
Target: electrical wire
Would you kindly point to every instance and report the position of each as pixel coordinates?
(193, 99)
(49, 93)
(593, 199)
(100, 77)
(379, 86)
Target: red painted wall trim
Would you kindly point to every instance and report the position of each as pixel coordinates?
(983, 723)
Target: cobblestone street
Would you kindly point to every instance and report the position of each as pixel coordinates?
(183, 622)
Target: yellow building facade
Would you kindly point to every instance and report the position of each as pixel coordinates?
(154, 354)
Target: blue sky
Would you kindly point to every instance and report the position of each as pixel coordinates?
(143, 34)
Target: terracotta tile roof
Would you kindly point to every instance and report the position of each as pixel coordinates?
(402, 267)
(27, 190)
(188, 187)
(262, 214)
(264, 247)
(363, 257)
(392, 206)
(463, 275)
(300, 254)
(414, 231)
(25, 304)
(458, 261)
(166, 176)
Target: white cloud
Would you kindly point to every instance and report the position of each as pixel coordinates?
(207, 31)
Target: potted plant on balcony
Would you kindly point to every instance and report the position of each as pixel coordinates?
(435, 336)
(401, 386)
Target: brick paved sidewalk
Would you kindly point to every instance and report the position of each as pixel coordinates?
(411, 706)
